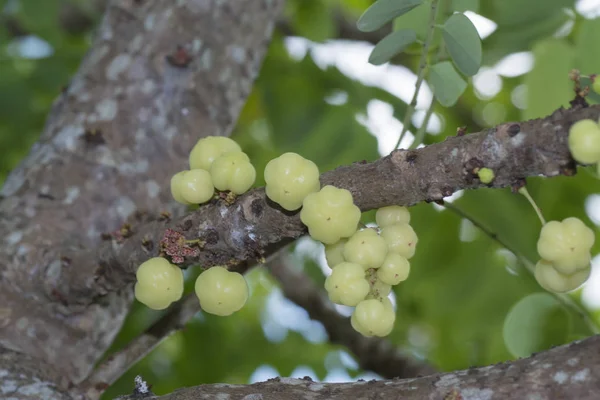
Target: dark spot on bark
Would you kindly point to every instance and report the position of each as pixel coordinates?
(461, 131)
(411, 157)
(147, 244)
(514, 129)
(569, 169)
(180, 58)
(439, 201)
(187, 224)
(93, 137)
(47, 196)
(211, 236)
(105, 236)
(473, 164)
(307, 378)
(447, 191)
(257, 207)
(579, 101)
(65, 261)
(101, 386)
(518, 184)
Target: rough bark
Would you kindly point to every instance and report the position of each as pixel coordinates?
(566, 372)
(160, 75)
(239, 235)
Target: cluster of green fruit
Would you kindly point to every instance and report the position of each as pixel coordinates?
(565, 251)
(367, 264)
(215, 162)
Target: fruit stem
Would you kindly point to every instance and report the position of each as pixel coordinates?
(525, 193)
(421, 71)
(564, 298)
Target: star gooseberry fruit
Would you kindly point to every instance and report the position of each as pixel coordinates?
(552, 280)
(347, 284)
(584, 141)
(566, 245)
(289, 179)
(391, 215)
(366, 248)
(159, 283)
(334, 253)
(210, 148)
(373, 317)
(394, 269)
(401, 239)
(221, 292)
(233, 171)
(330, 214)
(192, 187)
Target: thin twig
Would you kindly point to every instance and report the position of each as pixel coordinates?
(374, 354)
(118, 363)
(564, 298)
(420, 73)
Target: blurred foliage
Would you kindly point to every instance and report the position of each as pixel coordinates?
(452, 309)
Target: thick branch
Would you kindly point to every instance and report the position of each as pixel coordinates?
(373, 354)
(160, 75)
(238, 235)
(566, 372)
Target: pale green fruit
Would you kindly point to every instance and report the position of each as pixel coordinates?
(289, 179)
(391, 215)
(196, 186)
(176, 188)
(401, 239)
(210, 148)
(159, 283)
(330, 214)
(232, 171)
(221, 292)
(373, 317)
(366, 248)
(584, 141)
(566, 245)
(347, 284)
(395, 269)
(334, 253)
(552, 280)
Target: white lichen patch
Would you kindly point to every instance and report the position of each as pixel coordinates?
(206, 59)
(560, 377)
(107, 110)
(149, 22)
(125, 207)
(152, 188)
(476, 394)
(13, 238)
(8, 386)
(5, 314)
(238, 54)
(581, 376)
(291, 381)
(117, 66)
(573, 361)
(68, 136)
(71, 195)
(316, 387)
(253, 396)
(447, 380)
(22, 323)
(148, 86)
(136, 44)
(518, 139)
(222, 396)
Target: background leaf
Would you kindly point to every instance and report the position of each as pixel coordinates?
(535, 323)
(392, 45)
(447, 83)
(463, 43)
(384, 11)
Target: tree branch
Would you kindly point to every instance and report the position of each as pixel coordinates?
(373, 354)
(117, 364)
(160, 75)
(239, 235)
(565, 372)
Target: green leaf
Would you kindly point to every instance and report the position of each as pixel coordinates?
(447, 84)
(384, 11)
(548, 84)
(587, 56)
(463, 43)
(537, 322)
(392, 45)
